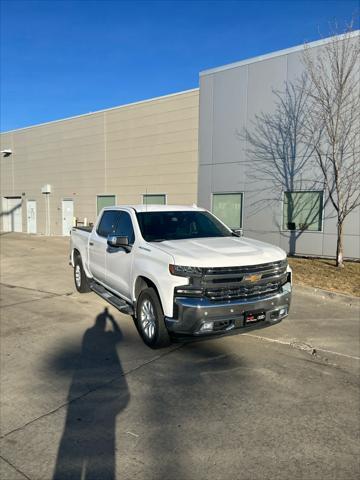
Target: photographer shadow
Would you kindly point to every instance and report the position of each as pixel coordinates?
(87, 446)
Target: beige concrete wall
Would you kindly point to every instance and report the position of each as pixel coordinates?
(149, 146)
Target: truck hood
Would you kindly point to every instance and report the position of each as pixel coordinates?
(221, 251)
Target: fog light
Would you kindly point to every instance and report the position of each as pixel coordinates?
(207, 326)
(282, 312)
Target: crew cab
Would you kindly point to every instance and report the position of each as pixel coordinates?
(180, 271)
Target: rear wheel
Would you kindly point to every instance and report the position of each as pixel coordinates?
(82, 283)
(150, 320)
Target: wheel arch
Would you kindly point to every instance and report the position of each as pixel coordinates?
(76, 253)
(141, 283)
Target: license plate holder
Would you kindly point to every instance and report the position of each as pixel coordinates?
(254, 317)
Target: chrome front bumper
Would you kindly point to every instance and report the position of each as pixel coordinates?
(192, 314)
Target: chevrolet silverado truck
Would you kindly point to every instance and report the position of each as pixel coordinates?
(180, 271)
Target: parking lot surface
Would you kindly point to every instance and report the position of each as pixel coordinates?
(83, 398)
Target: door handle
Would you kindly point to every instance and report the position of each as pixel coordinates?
(91, 244)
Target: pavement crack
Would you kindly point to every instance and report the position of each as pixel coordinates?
(305, 347)
(28, 301)
(103, 385)
(49, 295)
(15, 468)
(9, 285)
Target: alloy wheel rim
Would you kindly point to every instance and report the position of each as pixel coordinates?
(147, 318)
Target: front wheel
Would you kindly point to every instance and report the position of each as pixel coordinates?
(81, 281)
(150, 320)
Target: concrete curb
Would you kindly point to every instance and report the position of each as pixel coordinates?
(326, 295)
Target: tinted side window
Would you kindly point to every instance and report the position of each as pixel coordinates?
(124, 227)
(107, 225)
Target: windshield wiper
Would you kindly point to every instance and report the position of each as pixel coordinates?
(158, 240)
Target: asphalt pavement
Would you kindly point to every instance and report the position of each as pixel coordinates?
(83, 398)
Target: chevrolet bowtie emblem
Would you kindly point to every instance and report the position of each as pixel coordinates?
(253, 277)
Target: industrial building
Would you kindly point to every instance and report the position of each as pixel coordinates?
(184, 148)
(58, 171)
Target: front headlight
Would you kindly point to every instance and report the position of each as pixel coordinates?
(182, 271)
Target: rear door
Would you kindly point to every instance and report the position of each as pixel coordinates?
(118, 261)
(98, 244)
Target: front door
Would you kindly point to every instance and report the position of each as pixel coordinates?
(31, 216)
(67, 216)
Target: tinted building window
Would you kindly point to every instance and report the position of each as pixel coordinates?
(103, 201)
(228, 207)
(154, 199)
(303, 211)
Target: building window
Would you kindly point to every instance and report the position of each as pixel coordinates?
(303, 211)
(152, 199)
(103, 201)
(228, 208)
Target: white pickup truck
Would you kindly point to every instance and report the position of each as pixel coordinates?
(180, 271)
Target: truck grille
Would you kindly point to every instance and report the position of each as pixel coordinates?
(230, 283)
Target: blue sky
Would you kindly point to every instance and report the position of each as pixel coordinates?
(64, 58)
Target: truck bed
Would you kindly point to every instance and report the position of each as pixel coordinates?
(79, 240)
(85, 229)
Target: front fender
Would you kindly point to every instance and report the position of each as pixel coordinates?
(153, 264)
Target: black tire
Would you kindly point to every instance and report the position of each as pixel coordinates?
(160, 337)
(81, 281)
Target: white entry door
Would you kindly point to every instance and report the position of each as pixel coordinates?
(12, 214)
(67, 216)
(31, 216)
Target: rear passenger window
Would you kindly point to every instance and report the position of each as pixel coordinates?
(125, 228)
(107, 225)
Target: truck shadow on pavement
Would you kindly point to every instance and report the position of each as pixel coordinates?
(87, 447)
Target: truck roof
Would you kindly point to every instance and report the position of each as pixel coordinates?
(156, 208)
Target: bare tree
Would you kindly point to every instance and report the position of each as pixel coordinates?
(279, 155)
(333, 127)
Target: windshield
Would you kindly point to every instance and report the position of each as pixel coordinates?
(160, 226)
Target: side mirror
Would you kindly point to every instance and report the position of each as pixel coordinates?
(117, 242)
